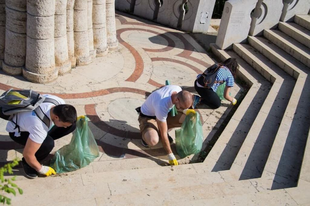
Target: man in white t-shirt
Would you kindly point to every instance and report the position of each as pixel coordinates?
(37, 137)
(155, 119)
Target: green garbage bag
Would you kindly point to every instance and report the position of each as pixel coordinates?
(220, 90)
(189, 137)
(81, 151)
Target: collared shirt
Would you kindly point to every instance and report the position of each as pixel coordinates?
(223, 75)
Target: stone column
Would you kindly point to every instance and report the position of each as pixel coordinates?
(81, 42)
(111, 27)
(70, 32)
(40, 59)
(62, 62)
(92, 51)
(15, 37)
(2, 30)
(99, 27)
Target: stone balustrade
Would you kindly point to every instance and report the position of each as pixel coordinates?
(250, 17)
(187, 15)
(240, 17)
(44, 39)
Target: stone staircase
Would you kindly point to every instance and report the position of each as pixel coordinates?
(260, 158)
(274, 147)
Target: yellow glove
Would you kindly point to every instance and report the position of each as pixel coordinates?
(47, 171)
(234, 101)
(80, 117)
(172, 159)
(188, 111)
(173, 162)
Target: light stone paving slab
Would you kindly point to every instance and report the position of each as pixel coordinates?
(177, 74)
(145, 39)
(279, 198)
(106, 164)
(298, 195)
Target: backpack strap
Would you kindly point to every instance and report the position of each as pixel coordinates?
(41, 115)
(214, 70)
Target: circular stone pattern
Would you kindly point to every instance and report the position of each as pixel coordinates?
(176, 73)
(123, 114)
(146, 40)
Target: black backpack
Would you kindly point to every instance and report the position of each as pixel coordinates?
(207, 78)
(16, 101)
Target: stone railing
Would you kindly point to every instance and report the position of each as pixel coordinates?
(187, 15)
(250, 17)
(43, 39)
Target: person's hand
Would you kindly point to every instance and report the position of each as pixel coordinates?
(188, 111)
(172, 159)
(234, 102)
(47, 171)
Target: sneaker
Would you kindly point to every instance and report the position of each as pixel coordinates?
(29, 171)
(196, 100)
(144, 144)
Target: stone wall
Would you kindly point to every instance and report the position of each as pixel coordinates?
(44, 39)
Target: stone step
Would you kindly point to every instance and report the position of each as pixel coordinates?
(287, 151)
(275, 197)
(288, 147)
(295, 31)
(226, 148)
(304, 177)
(290, 45)
(154, 186)
(285, 61)
(303, 20)
(253, 154)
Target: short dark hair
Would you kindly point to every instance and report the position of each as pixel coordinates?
(232, 65)
(66, 113)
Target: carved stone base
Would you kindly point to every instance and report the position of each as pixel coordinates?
(102, 52)
(11, 69)
(113, 45)
(83, 61)
(64, 68)
(73, 62)
(40, 78)
(92, 54)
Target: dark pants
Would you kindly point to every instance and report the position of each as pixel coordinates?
(208, 97)
(48, 144)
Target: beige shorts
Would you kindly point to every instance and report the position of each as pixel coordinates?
(146, 123)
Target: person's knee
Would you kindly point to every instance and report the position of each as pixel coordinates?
(215, 106)
(151, 137)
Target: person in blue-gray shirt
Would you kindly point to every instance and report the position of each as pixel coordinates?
(226, 72)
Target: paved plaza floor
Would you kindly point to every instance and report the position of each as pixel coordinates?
(110, 88)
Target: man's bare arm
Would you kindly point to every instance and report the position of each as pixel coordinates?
(163, 130)
(29, 152)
